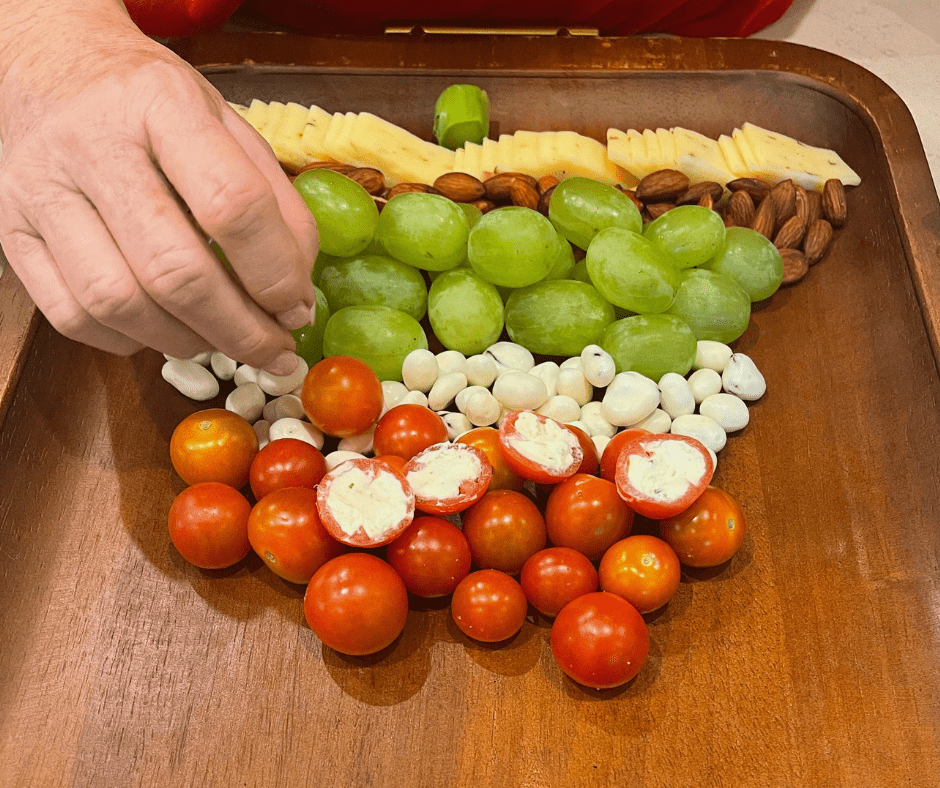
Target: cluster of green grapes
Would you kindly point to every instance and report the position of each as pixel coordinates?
(646, 295)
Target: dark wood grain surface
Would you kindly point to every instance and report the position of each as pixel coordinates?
(812, 659)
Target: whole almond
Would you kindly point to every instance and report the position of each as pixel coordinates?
(813, 207)
(791, 234)
(380, 202)
(369, 179)
(833, 202)
(460, 186)
(662, 186)
(633, 198)
(757, 189)
(336, 166)
(544, 199)
(795, 265)
(740, 209)
(406, 188)
(693, 195)
(706, 201)
(484, 206)
(524, 194)
(783, 198)
(802, 203)
(547, 182)
(497, 186)
(764, 220)
(657, 209)
(817, 240)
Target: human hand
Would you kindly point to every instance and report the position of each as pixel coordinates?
(118, 161)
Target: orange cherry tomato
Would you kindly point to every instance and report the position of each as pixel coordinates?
(612, 452)
(504, 529)
(209, 525)
(709, 532)
(342, 396)
(213, 445)
(408, 429)
(489, 606)
(392, 461)
(486, 439)
(586, 514)
(286, 462)
(643, 570)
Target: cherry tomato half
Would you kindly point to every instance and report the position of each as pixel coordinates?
(613, 449)
(431, 557)
(709, 532)
(486, 439)
(643, 570)
(356, 604)
(213, 445)
(408, 429)
(504, 529)
(342, 396)
(586, 514)
(489, 606)
(286, 462)
(538, 448)
(209, 525)
(600, 640)
(589, 463)
(556, 576)
(448, 477)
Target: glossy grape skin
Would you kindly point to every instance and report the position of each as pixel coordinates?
(375, 279)
(465, 311)
(581, 207)
(630, 273)
(751, 260)
(427, 231)
(557, 317)
(563, 264)
(713, 305)
(377, 335)
(687, 236)
(651, 345)
(345, 212)
(309, 339)
(580, 272)
(472, 213)
(512, 247)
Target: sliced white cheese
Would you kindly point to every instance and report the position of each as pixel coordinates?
(257, 114)
(576, 154)
(473, 159)
(488, 157)
(313, 139)
(505, 160)
(700, 157)
(732, 155)
(754, 167)
(525, 156)
(629, 151)
(399, 154)
(284, 131)
(667, 148)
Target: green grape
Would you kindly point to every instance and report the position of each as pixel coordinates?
(580, 272)
(512, 247)
(345, 212)
(582, 207)
(375, 279)
(309, 339)
(713, 305)
(651, 345)
(473, 213)
(377, 335)
(465, 311)
(424, 230)
(557, 317)
(688, 235)
(375, 247)
(630, 273)
(323, 260)
(751, 260)
(563, 265)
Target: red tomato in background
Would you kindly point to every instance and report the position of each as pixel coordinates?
(600, 640)
(356, 604)
(486, 439)
(503, 529)
(342, 396)
(393, 462)
(612, 452)
(209, 525)
(285, 530)
(589, 464)
(213, 445)
(286, 462)
(586, 514)
(643, 570)
(406, 430)
(431, 557)
(489, 606)
(709, 532)
(532, 469)
(556, 576)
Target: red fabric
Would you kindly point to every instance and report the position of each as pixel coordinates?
(174, 18)
(735, 18)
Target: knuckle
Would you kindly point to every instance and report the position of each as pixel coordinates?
(69, 319)
(252, 347)
(236, 207)
(110, 298)
(175, 278)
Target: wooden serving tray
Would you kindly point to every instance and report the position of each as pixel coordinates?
(813, 659)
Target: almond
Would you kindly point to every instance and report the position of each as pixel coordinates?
(632, 195)
(802, 204)
(657, 209)
(693, 195)
(783, 198)
(795, 265)
(833, 202)
(369, 179)
(740, 209)
(813, 207)
(755, 187)
(764, 221)
(380, 202)
(547, 182)
(497, 186)
(406, 188)
(336, 166)
(460, 186)
(706, 201)
(544, 199)
(484, 206)
(524, 194)
(662, 186)
(791, 234)
(817, 240)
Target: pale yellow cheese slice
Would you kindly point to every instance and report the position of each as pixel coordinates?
(257, 114)
(313, 139)
(399, 154)
(700, 157)
(576, 154)
(459, 156)
(505, 160)
(732, 155)
(628, 150)
(661, 148)
(284, 130)
(525, 154)
(488, 159)
(754, 167)
(473, 159)
(241, 109)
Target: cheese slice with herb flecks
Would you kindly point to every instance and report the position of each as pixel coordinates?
(700, 157)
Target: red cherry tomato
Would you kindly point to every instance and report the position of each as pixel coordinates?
(589, 463)
(538, 448)
(643, 570)
(709, 532)
(448, 477)
(600, 640)
(486, 439)
(408, 429)
(285, 530)
(286, 462)
(364, 503)
(393, 462)
(431, 557)
(342, 396)
(586, 514)
(661, 475)
(356, 604)
(504, 529)
(612, 452)
(213, 445)
(556, 576)
(209, 525)
(489, 606)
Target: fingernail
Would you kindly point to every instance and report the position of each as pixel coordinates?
(284, 364)
(296, 317)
